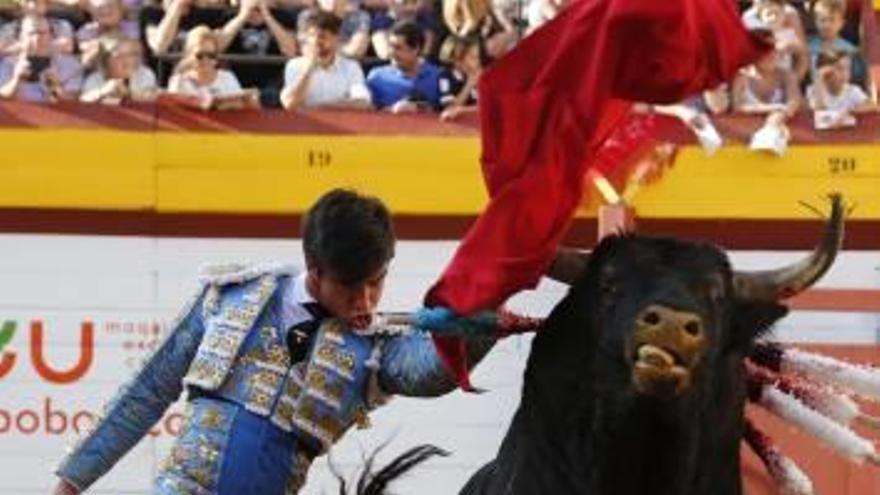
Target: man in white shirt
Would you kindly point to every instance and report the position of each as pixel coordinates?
(322, 77)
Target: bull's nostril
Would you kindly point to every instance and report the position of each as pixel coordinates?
(692, 328)
(651, 318)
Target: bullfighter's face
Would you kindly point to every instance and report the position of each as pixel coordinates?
(353, 302)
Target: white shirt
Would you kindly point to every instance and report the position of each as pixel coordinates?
(342, 81)
(292, 310)
(851, 97)
(225, 84)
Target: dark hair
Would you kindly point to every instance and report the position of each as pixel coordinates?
(411, 33)
(348, 235)
(324, 21)
(829, 56)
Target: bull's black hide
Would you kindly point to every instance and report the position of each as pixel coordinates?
(636, 385)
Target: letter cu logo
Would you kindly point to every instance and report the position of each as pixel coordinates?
(38, 359)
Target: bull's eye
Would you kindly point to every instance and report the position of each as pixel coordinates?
(651, 318)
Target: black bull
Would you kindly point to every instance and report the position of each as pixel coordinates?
(636, 384)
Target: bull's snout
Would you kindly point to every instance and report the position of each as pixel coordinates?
(668, 344)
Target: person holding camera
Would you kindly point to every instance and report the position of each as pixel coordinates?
(121, 75)
(37, 73)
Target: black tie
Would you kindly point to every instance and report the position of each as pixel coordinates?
(299, 336)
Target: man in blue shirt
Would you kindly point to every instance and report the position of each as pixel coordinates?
(408, 84)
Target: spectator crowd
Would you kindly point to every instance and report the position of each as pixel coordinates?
(392, 55)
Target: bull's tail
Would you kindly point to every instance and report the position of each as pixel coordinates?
(370, 483)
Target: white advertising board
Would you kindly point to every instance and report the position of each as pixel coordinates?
(84, 311)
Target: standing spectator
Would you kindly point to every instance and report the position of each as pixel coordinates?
(832, 90)
(784, 22)
(408, 83)
(60, 30)
(255, 30)
(197, 75)
(121, 75)
(458, 85)
(322, 77)
(354, 35)
(478, 18)
(37, 73)
(108, 21)
(405, 10)
(258, 32)
(166, 28)
(829, 17)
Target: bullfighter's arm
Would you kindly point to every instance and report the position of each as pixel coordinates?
(139, 404)
(411, 366)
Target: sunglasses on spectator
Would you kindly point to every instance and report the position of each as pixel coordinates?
(206, 56)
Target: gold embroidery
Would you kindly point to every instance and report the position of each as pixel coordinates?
(211, 419)
(278, 356)
(341, 361)
(259, 399)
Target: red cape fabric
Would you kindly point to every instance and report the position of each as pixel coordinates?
(545, 109)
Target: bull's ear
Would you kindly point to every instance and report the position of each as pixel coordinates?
(752, 319)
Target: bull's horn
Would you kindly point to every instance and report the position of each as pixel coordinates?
(782, 283)
(568, 264)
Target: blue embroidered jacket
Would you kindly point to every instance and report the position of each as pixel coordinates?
(254, 419)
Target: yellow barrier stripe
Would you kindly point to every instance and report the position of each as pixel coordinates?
(738, 183)
(77, 169)
(287, 173)
(246, 173)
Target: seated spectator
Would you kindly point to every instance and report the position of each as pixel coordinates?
(165, 29)
(197, 74)
(354, 35)
(829, 17)
(108, 21)
(37, 73)
(121, 75)
(322, 77)
(764, 87)
(466, 18)
(408, 83)
(405, 10)
(458, 85)
(832, 90)
(781, 19)
(757, 16)
(60, 30)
